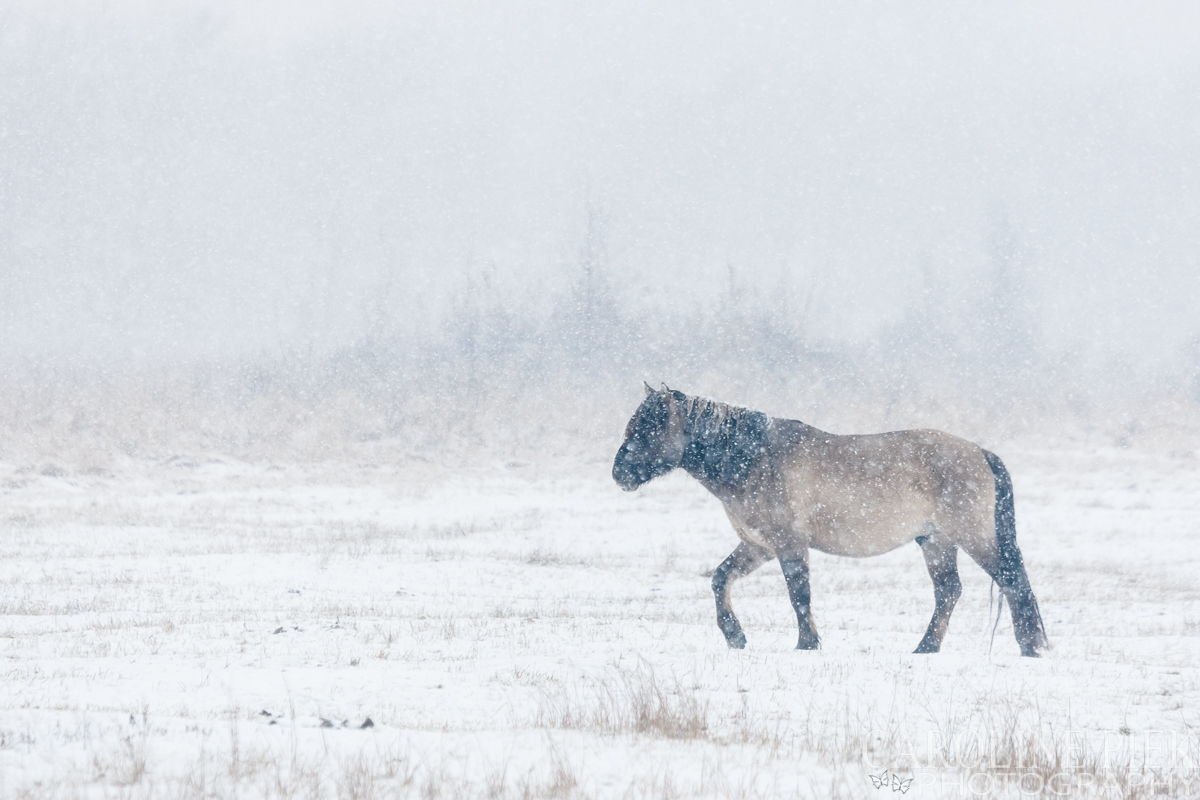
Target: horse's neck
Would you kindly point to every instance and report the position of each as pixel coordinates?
(715, 432)
(722, 443)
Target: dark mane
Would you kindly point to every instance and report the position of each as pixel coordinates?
(724, 442)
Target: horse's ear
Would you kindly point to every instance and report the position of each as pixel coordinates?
(665, 389)
(649, 391)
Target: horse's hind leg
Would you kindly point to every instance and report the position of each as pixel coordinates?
(941, 558)
(1007, 570)
(1026, 617)
(742, 561)
(997, 552)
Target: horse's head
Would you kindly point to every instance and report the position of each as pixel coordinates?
(653, 440)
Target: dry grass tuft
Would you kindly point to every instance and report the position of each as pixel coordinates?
(625, 701)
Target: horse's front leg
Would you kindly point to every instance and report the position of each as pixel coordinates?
(795, 572)
(742, 561)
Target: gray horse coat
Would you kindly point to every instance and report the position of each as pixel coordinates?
(788, 487)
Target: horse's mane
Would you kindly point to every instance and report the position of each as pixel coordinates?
(724, 442)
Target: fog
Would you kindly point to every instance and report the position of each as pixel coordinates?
(543, 189)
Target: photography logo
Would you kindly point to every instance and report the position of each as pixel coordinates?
(884, 780)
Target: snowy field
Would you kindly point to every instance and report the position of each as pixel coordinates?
(215, 628)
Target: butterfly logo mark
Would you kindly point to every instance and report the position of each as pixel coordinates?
(890, 781)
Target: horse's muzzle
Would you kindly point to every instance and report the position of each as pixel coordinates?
(628, 483)
(628, 476)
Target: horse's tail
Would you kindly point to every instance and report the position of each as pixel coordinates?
(1010, 573)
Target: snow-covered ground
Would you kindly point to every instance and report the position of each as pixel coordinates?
(209, 627)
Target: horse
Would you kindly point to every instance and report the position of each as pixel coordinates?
(788, 487)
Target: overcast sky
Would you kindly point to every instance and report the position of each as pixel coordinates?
(209, 177)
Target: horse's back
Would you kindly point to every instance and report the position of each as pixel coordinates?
(865, 494)
(930, 454)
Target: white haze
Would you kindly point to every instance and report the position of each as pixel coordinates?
(202, 179)
(320, 324)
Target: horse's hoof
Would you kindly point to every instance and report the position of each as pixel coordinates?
(809, 644)
(737, 642)
(923, 648)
